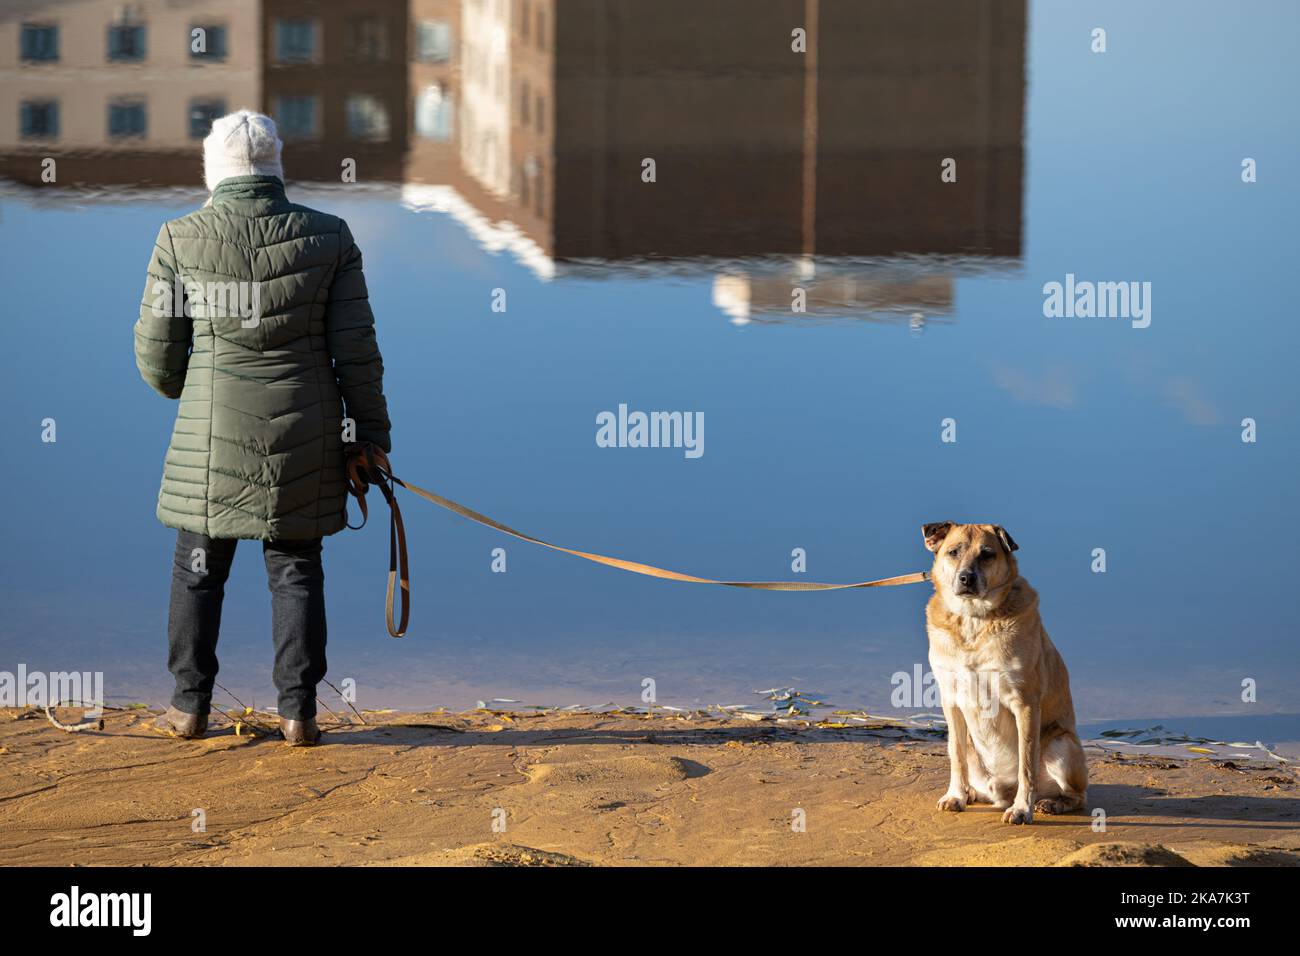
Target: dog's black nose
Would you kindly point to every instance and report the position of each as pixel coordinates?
(966, 578)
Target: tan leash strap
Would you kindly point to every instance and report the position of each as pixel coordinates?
(372, 460)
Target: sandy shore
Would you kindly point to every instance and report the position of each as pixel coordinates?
(573, 789)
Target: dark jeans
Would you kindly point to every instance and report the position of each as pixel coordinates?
(297, 582)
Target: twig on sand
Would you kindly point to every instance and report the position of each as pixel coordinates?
(95, 723)
(248, 712)
(346, 701)
(232, 697)
(251, 712)
(339, 721)
(239, 723)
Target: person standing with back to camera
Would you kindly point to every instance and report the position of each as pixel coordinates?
(259, 445)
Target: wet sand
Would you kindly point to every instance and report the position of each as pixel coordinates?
(484, 789)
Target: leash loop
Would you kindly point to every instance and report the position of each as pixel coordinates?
(367, 465)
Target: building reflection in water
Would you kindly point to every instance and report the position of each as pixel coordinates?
(530, 121)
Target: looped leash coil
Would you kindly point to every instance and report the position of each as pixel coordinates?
(368, 465)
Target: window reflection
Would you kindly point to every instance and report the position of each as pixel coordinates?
(40, 43)
(433, 41)
(366, 40)
(39, 119)
(211, 42)
(296, 41)
(126, 42)
(201, 115)
(367, 118)
(296, 116)
(127, 119)
(434, 114)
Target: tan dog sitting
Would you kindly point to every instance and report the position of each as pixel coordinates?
(1004, 686)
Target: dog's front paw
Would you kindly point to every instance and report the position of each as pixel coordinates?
(1018, 814)
(953, 802)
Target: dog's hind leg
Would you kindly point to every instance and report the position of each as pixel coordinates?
(1001, 793)
(1064, 776)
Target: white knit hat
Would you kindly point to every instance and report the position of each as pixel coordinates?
(243, 143)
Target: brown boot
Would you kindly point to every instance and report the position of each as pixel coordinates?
(177, 723)
(300, 733)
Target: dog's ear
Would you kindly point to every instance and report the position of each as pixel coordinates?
(934, 533)
(1008, 542)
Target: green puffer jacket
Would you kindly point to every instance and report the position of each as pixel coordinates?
(274, 341)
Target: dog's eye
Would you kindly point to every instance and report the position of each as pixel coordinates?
(985, 554)
(953, 552)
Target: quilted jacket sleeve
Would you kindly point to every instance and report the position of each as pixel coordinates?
(162, 340)
(350, 336)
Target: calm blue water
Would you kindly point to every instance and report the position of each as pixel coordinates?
(822, 429)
